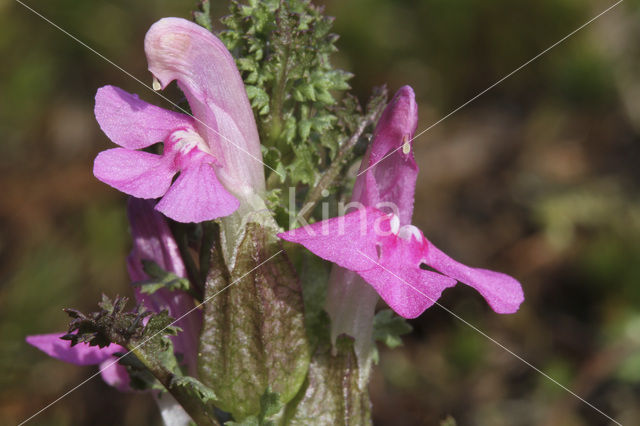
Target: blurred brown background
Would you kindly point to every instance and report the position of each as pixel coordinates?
(537, 178)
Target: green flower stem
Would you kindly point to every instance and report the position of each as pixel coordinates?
(151, 357)
(277, 103)
(200, 412)
(210, 233)
(329, 176)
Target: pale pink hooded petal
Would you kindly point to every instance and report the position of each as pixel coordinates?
(137, 173)
(132, 123)
(392, 179)
(502, 292)
(152, 240)
(115, 374)
(342, 239)
(80, 354)
(181, 50)
(196, 196)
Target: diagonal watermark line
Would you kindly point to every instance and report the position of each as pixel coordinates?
(435, 302)
(141, 344)
(147, 86)
(572, 33)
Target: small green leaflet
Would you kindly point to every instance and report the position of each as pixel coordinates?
(159, 278)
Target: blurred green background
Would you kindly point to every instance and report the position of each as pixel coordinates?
(537, 178)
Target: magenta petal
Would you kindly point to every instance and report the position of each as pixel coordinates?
(342, 239)
(133, 123)
(407, 291)
(115, 374)
(136, 173)
(400, 281)
(502, 292)
(80, 354)
(196, 196)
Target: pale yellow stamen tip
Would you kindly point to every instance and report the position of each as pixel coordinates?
(406, 147)
(156, 84)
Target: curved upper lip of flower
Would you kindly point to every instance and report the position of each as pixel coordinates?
(206, 73)
(393, 179)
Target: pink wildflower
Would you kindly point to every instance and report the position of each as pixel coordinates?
(385, 250)
(217, 154)
(152, 240)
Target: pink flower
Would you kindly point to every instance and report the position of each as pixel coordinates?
(112, 373)
(385, 250)
(152, 240)
(216, 153)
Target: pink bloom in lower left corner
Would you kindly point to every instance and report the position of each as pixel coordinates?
(152, 240)
(112, 373)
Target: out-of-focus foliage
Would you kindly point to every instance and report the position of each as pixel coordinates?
(537, 178)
